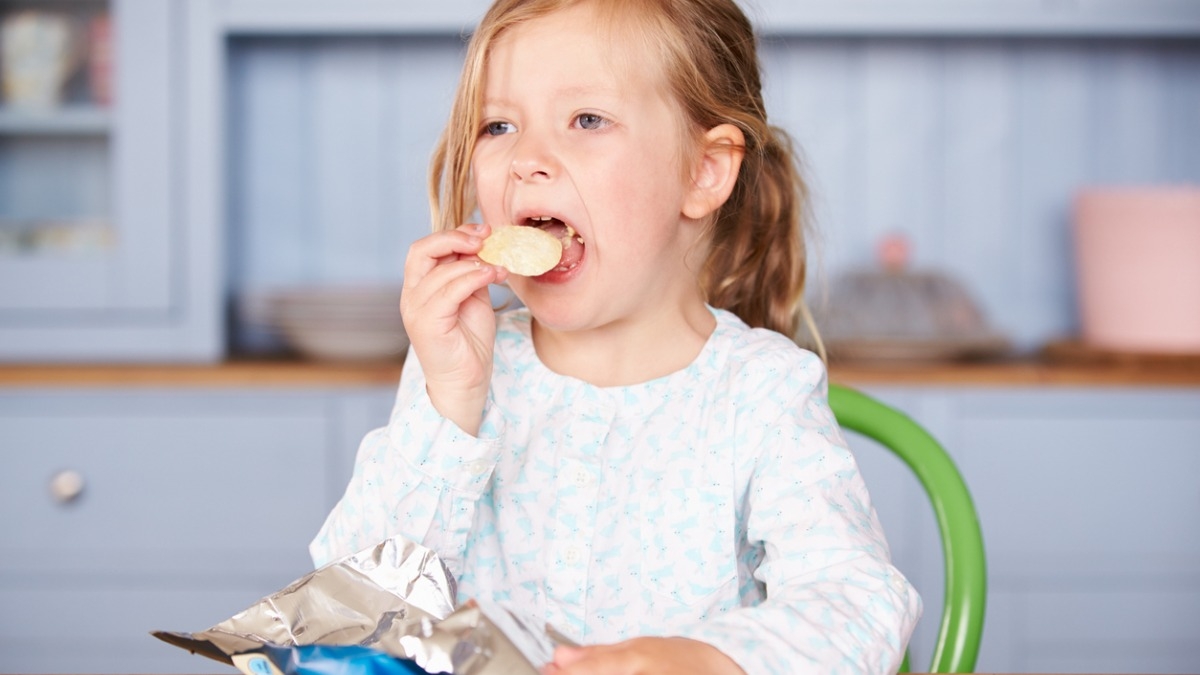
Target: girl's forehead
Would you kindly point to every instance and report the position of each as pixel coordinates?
(582, 42)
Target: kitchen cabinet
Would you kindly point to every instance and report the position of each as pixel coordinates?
(193, 505)
(1073, 18)
(99, 261)
(203, 486)
(1091, 521)
(970, 146)
(149, 195)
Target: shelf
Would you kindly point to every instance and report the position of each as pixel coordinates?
(320, 17)
(40, 242)
(309, 375)
(248, 374)
(74, 121)
(937, 18)
(984, 18)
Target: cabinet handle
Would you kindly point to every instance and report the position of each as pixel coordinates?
(66, 486)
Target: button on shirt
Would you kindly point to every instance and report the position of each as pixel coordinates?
(718, 503)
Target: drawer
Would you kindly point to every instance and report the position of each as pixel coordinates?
(175, 483)
(1084, 488)
(1117, 631)
(107, 629)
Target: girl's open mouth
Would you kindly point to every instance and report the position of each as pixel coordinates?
(572, 243)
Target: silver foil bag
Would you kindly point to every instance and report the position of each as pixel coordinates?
(396, 597)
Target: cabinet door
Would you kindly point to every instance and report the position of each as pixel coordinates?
(185, 483)
(1090, 512)
(99, 263)
(1091, 517)
(193, 506)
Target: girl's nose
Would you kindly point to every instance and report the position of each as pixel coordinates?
(532, 161)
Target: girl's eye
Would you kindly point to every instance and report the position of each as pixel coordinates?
(498, 128)
(590, 121)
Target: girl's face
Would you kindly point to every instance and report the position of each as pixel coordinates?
(579, 128)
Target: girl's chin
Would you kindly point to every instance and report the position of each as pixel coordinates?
(558, 311)
(551, 294)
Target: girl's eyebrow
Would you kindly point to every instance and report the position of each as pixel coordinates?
(498, 103)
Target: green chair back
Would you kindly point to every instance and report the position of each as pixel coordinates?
(957, 645)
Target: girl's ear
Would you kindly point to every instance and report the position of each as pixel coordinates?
(716, 170)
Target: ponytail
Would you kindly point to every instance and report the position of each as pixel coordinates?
(756, 264)
(757, 261)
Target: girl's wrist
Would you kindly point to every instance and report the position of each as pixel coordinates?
(465, 409)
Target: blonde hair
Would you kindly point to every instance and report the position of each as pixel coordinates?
(756, 261)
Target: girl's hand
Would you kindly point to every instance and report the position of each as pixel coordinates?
(642, 656)
(449, 318)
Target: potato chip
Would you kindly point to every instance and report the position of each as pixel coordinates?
(522, 250)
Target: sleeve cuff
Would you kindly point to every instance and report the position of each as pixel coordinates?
(443, 452)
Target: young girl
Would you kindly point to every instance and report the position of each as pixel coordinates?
(640, 455)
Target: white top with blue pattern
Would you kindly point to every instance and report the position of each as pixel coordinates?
(718, 503)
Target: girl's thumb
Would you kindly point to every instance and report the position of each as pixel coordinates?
(565, 655)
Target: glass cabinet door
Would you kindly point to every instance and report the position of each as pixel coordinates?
(88, 237)
(84, 219)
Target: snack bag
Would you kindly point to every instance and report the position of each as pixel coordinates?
(396, 600)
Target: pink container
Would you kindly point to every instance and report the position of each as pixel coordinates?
(1138, 258)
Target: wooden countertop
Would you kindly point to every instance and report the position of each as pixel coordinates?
(302, 374)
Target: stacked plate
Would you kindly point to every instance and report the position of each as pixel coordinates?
(359, 323)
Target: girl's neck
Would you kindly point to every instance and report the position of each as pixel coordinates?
(628, 352)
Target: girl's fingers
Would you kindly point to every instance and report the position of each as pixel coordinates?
(565, 655)
(596, 660)
(440, 293)
(439, 248)
(664, 656)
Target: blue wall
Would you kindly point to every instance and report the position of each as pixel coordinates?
(973, 148)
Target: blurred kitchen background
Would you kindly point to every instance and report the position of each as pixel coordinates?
(205, 207)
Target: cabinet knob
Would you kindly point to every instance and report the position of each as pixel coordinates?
(66, 486)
